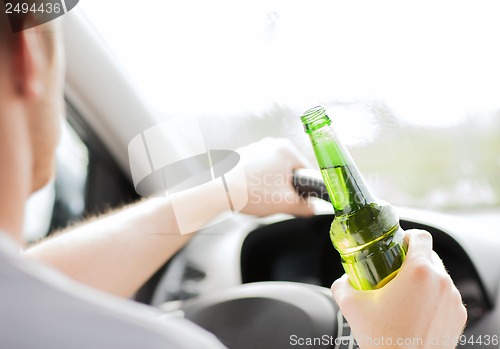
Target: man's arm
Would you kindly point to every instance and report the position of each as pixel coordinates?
(119, 252)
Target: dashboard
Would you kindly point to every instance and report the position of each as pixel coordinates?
(300, 250)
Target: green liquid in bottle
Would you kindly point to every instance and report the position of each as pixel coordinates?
(365, 231)
(368, 237)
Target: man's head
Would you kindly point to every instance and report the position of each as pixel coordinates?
(31, 97)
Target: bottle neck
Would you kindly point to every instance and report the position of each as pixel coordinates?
(343, 180)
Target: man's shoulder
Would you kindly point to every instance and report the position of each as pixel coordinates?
(44, 309)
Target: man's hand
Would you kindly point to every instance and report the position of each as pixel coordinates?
(421, 305)
(268, 167)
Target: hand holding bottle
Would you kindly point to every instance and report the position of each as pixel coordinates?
(420, 304)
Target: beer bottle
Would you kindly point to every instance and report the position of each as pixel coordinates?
(365, 231)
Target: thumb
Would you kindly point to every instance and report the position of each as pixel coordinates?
(419, 245)
(340, 289)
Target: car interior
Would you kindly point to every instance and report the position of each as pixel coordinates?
(246, 72)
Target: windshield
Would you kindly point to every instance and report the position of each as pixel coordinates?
(412, 89)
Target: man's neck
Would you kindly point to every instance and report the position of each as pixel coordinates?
(15, 172)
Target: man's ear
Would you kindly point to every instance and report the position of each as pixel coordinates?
(28, 58)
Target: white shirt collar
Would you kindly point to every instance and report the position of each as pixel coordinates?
(8, 244)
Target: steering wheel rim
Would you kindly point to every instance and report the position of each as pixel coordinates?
(269, 315)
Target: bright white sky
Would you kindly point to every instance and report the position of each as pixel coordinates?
(432, 62)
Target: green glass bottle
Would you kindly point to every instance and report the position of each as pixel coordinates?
(365, 231)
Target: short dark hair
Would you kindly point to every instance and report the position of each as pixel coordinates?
(20, 21)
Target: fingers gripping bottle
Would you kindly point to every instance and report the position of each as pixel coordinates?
(365, 231)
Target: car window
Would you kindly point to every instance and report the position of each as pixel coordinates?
(412, 89)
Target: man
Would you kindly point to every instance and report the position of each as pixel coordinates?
(42, 308)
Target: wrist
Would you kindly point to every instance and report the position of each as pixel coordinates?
(194, 208)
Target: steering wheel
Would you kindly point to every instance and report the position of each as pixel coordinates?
(269, 315)
(273, 315)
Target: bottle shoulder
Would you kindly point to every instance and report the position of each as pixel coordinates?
(365, 224)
